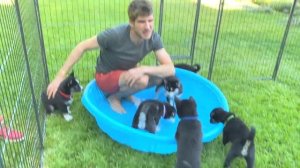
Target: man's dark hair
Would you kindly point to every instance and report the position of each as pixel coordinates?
(139, 8)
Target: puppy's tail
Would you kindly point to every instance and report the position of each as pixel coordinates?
(251, 134)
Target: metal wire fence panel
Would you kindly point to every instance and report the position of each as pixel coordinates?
(244, 42)
(21, 81)
(205, 36)
(66, 23)
(177, 28)
(289, 66)
(240, 29)
(248, 43)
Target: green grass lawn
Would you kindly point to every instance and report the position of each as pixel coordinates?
(246, 54)
(272, 107)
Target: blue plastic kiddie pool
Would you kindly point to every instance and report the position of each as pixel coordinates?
(118, 126)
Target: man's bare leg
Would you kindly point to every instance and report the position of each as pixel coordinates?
(115, 99)
(136, 101)
(152, 82)
(127, 92)
(115, 104)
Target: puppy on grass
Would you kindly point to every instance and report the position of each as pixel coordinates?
(63, 97)
(188, 135)
(237, 133)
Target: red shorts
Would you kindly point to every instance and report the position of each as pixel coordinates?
(109, 82)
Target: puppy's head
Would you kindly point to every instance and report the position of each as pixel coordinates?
(172, 86)
(186, 107)
(218, 115)
(73, 83)
(170, 111)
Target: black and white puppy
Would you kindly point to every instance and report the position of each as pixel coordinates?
(236, 132)
(188, 135)
(194, 68)
(149, 113)
(172, 86)
(63, 97)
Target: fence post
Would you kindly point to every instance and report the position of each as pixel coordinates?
(192, 51)
(161, 14)
(216, 37)
(160, 22)
(283, 42)
(28, 69)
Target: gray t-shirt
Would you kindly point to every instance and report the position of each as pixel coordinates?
(118, 52)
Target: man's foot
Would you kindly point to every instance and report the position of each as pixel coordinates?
(115, 104)
(134, 100)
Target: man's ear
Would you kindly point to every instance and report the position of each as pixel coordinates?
(131, 23)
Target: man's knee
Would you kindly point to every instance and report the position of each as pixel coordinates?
(142, 83)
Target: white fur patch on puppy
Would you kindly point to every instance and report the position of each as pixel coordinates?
(69, 102)
(68, 117)
(142, 121)
(245, 148)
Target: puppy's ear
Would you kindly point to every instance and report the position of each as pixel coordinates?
(192, 99)
(212, 119)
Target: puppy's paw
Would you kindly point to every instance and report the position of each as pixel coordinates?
(68, 117)
(157, 129)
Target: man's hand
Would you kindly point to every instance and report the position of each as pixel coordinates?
(53, 86)
(134, 75)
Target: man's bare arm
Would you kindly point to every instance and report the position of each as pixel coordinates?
(74, 57)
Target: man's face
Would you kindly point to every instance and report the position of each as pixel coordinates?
(143, 26)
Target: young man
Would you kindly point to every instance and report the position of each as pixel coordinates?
(121, 49)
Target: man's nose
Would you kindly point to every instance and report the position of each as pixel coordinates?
(148, 25)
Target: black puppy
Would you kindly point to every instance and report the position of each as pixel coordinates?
(236, 132)
(188, 135)
(149, 113)
(173, 88)
(194, 68)
(63, 97)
